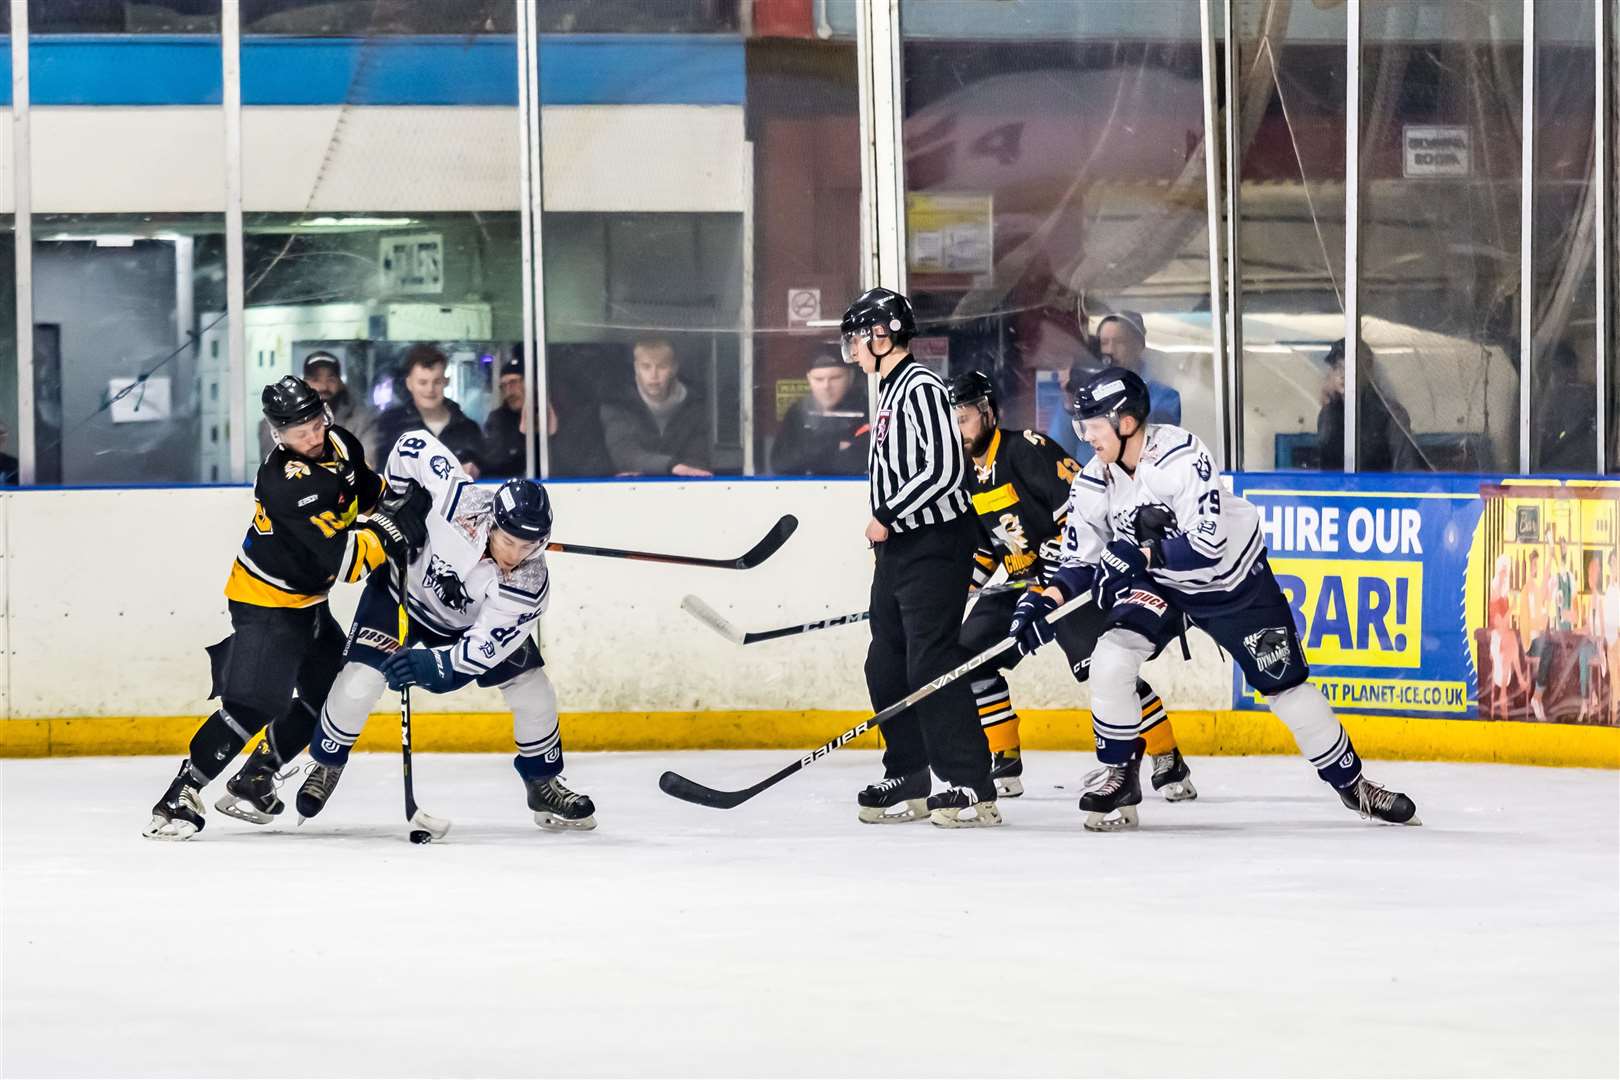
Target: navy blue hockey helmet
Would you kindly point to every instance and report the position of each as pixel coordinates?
(523, 510)
(1112, 392)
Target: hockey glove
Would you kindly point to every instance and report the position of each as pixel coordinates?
(1029, 626)
(428, 668)
(1153, 525)
(1123, 564)
(399, 522)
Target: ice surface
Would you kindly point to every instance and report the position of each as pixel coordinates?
(1262, 930)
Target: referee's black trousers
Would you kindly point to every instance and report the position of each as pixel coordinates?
(919, 590)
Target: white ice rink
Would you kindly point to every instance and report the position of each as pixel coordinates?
(1262, 930)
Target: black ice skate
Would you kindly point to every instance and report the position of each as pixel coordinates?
(179, 814)
(1171, 776)
(558, 809)
(251, 795)
(971, 807)
(318, 787)
(895, 799)
(1006, 769)
(1112, 795)
(1377, 803)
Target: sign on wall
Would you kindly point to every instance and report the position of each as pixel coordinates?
(1449, 596)
(1430, 150)
(413, 264)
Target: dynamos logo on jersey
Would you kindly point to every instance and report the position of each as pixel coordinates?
(442, 581)
(295, 470)
(1270, 650)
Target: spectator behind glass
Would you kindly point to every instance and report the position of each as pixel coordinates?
(574, 443)
(1121, 340)
(661, 428)
(427, 407)
(324, 373)
(504, 453)
(824, 432)
(1384, 443)
(8, 464)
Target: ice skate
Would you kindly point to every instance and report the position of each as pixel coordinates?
(1377, 803)
(318, 787)
(251, 795)
(965, 807)
(1171, 776)
(558, 809)
(179, 814)
(1111, 798)
(1007, 769)
(896, 799)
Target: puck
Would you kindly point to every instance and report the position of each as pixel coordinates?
(420, 836)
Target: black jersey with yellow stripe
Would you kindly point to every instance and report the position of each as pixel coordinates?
(1021, 497)
(302, 542)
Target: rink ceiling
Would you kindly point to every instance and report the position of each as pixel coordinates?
(104, 653)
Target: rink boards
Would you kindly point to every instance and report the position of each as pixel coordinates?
(110, 596)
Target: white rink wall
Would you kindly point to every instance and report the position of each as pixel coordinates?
(108, 598)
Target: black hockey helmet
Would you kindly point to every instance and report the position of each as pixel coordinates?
(972, 387)
(1112, 392)
(290, 400)
(523, 510)
(877, 307)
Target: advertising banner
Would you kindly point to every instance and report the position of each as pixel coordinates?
(1412, 593)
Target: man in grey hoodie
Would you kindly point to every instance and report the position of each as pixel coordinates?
(662, 429)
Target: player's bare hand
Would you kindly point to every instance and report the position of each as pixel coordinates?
(876, 532)
(688, 470)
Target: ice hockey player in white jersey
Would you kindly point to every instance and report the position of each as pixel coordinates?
(1152, 531)
(473, 591)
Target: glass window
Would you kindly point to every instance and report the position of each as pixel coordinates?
(1439, 256)
(695, 226)
(125, 310)
(323, 18)
(1290, 201)
(117, 17)
(1563, 395)
(1055, 178)
(381, 219)
(128, 250)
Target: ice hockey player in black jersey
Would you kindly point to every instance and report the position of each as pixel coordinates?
(307, 534)
(1159, 539)
(1020, 488)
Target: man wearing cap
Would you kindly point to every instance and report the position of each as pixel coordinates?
(503, 428)
(1122, 342)
(824, 432)
(324, 374)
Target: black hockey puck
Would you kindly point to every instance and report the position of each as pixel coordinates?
(420, 836)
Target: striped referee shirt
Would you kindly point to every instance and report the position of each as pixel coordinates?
(917, 465)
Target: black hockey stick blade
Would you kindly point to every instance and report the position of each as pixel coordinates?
(678, 786)
(755, 555)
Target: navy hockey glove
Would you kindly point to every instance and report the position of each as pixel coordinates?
(428, 668)
(1123, 564)
(1029, 626)
(399, 522)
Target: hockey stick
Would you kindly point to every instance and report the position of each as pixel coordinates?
(680, 787)
(703, 613)
(751, 558)
(425, 826)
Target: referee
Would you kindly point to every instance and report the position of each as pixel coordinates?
(923, 536)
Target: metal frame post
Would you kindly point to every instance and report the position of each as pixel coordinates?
(888, 158)
(22, 189)
(1600, 184)
(1212, 208)
(1352, 228)
(531, 217)
(1234, 280)
(1527, 267)
(236, 422)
